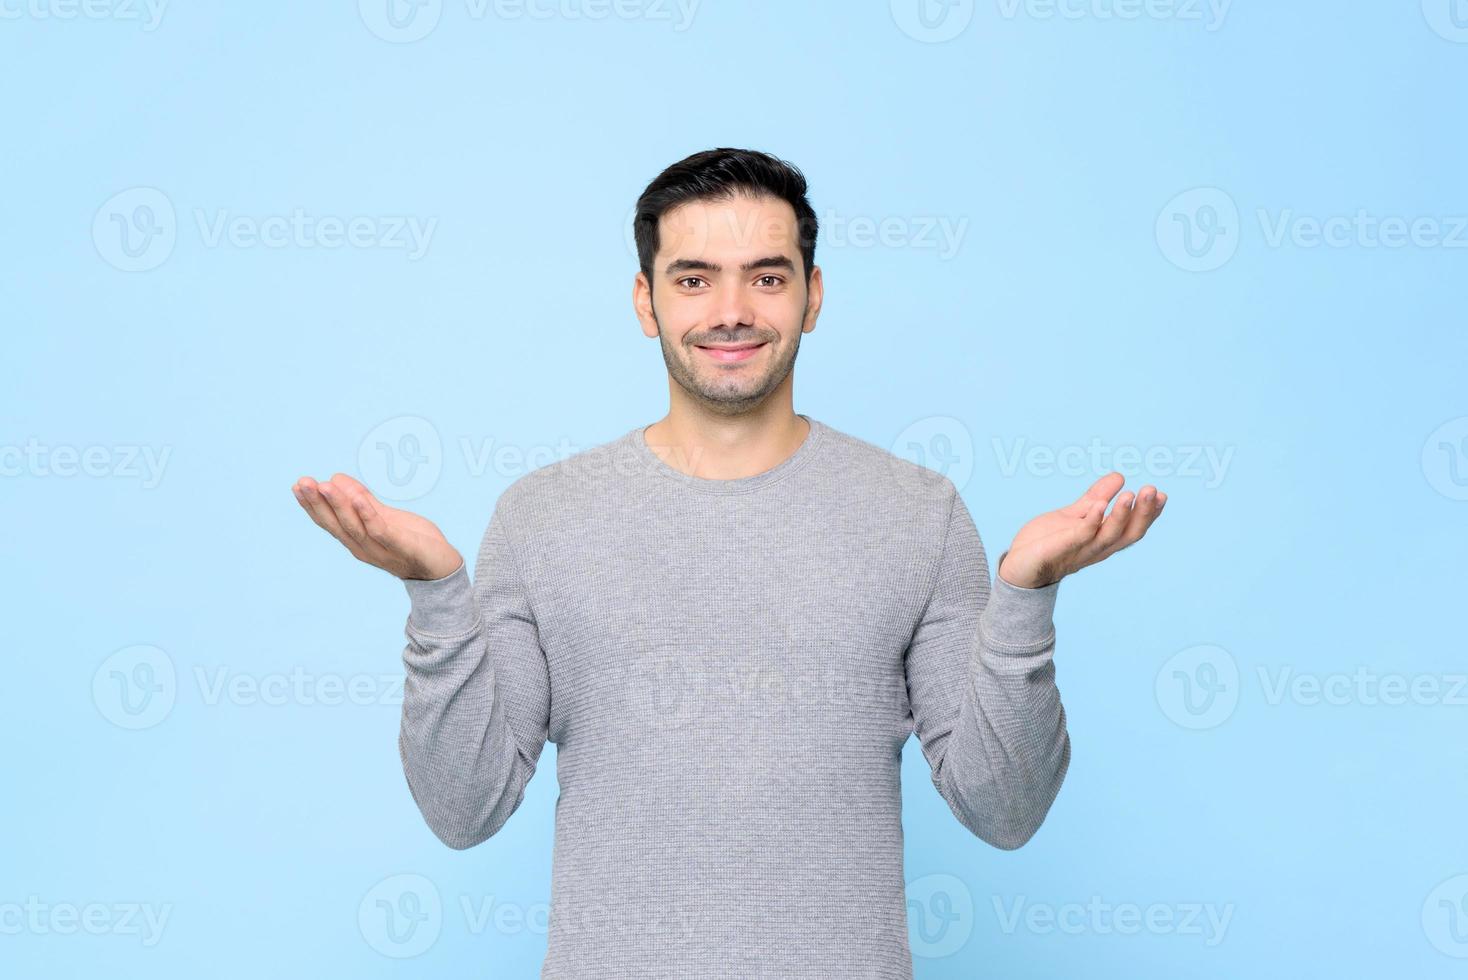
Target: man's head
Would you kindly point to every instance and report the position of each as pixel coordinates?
(726, 241)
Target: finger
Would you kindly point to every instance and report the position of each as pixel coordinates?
(381, 533)
(336, 514)
(1116, 524)
(1103, 490)
(320, 509)
(343, 496)
(352, 483)
(1084, 531)
(1142, 513)
(1149, 506)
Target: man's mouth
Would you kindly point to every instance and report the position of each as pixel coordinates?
(728, 353)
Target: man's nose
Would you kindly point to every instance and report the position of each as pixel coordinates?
(733, 308)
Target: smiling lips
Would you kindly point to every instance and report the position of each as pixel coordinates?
(728, 353)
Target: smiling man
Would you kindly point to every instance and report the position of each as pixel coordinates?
(730, 621)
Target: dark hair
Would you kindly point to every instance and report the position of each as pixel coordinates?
(717, 175)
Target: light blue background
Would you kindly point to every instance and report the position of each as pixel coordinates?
(1331, 540)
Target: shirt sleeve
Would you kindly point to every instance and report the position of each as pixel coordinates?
(981, 686)
(476, 698)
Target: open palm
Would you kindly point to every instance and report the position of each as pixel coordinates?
(1063, 541)
(398, 541)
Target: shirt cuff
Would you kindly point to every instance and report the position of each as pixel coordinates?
(1017, 620)
(442, 606)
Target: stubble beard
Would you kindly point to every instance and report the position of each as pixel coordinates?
(723, 394)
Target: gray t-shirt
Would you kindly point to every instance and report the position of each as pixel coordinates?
(729, 670)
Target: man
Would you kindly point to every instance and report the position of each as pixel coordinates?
(729, 622)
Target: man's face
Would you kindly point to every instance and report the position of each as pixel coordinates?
(728, 300)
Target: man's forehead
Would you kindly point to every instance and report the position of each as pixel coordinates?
(739, 225)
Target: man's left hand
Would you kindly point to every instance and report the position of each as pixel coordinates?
(1063, 541)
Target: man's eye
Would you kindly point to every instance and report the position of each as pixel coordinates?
(775, 280)
(686, 279)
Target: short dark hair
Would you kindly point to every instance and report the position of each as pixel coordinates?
(717, 175)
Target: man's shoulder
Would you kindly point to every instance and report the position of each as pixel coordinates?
(884, 474)
(561, 482)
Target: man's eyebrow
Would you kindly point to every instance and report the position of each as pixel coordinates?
(700, 265)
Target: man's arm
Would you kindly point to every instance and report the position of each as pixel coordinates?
(981, 684)
(476, 700)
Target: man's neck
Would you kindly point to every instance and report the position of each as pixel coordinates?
(716, 448)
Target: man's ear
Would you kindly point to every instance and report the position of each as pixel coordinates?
(816, 292)
(642, 305)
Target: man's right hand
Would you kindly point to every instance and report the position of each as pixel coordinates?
(408, 546)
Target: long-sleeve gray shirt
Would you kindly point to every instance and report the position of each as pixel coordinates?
(729, 670)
